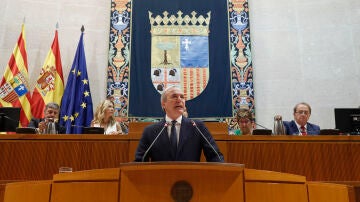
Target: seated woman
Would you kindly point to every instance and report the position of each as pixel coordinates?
(245, 122)
(104, 118)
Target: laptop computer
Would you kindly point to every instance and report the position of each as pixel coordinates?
(26, 130)
(329, 132)
(262, 132)
(93, 130)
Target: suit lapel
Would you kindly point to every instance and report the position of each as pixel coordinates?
(294, 127)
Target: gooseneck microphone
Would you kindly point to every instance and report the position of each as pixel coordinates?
(153, 142)
(262, 126)
(207, 141)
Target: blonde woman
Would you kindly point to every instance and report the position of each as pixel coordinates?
(104, 118)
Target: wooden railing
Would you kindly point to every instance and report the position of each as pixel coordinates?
(318, 158)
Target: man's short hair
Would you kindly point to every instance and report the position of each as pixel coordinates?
(302, 103)
(52, 105)
(164, 94)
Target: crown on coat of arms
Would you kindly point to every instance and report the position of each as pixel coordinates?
(179, 25)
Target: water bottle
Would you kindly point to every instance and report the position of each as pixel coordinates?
(279, 128)
(50, 127)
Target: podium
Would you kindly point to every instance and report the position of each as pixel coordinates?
(172, 181)
(29, 191)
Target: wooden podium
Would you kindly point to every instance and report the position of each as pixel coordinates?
(185, 181)
(170, 181)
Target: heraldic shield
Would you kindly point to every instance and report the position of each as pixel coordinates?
(180, 52)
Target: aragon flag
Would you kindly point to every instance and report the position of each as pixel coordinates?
(49, 86)
(14, 86)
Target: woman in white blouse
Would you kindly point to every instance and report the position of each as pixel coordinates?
(104, 118)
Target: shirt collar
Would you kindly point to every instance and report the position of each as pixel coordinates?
(300, 126)
(178, 120)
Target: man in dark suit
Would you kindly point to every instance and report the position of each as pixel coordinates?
(178, 138)
(51, 114)
(300, 124)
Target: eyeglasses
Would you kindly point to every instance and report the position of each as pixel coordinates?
(303, 112)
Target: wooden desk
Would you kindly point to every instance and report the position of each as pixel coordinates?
(318, 158)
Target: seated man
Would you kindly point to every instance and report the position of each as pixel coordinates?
(51, 114)
(300, 124)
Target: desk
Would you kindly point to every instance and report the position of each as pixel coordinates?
(318, 158)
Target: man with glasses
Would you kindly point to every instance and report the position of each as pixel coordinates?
(300, 125)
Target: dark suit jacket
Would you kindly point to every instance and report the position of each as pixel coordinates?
(34, 123)
(292, 129)
(190, 145)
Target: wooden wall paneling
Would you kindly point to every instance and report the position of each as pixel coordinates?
(297, 157)
(354, 158)
(255, 154)
(22, 160)
(342, 164)
(62, 154)
(319, 158)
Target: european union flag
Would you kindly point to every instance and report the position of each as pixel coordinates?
(76, 104)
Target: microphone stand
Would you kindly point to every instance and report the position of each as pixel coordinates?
(207, 141)
(153, 142)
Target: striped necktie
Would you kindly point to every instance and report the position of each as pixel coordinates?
(303, 130)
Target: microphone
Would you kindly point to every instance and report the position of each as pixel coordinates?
(153, 142)
(261, 126)
(261, 131)
(207, 141)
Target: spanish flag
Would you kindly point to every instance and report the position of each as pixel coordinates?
(14, 86)
(49, 86)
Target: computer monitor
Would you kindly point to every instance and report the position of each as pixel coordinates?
(9, 119)
(93, 130)
(347, 120)
(262, 132)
